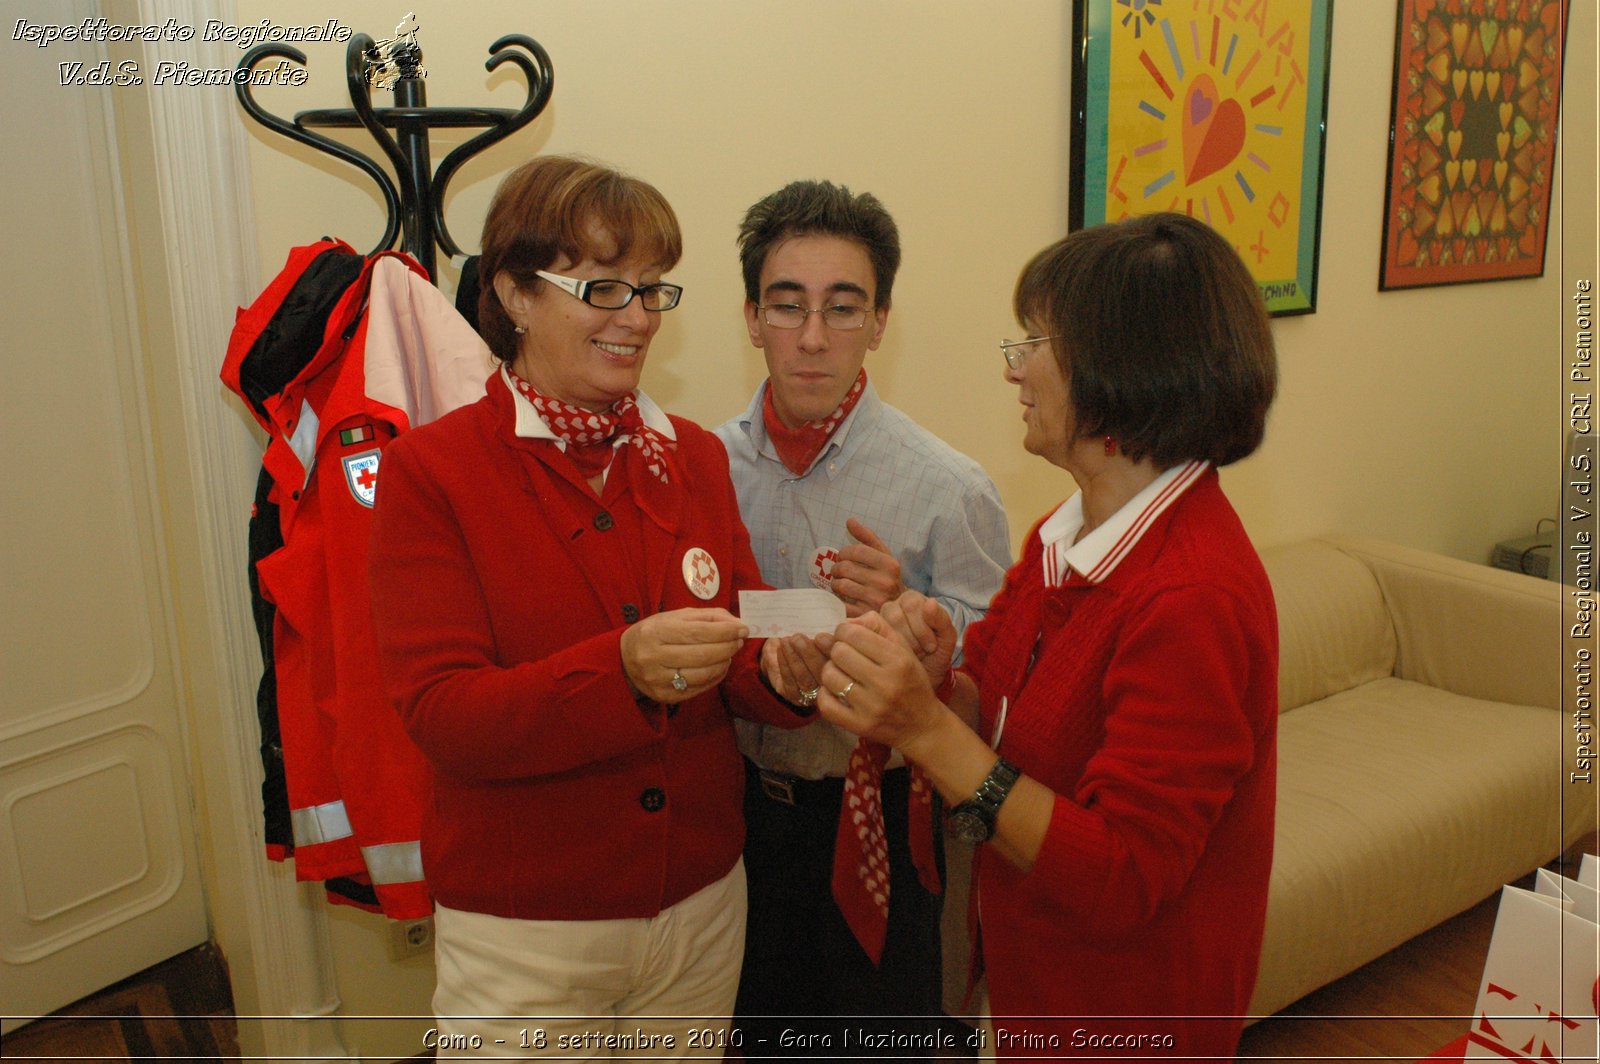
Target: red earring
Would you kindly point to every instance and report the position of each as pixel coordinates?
(1111, 446)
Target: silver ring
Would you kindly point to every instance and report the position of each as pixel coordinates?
(809, 698)
(844, 696)
(679, 684)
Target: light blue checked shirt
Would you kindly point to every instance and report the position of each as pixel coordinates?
(937, 510)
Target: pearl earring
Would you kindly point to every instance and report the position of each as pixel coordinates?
(520, 331)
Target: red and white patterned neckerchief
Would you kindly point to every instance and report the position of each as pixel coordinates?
(861, 847)
(587, 431)
(799, 447)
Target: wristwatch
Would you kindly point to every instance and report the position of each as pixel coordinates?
(973, 820)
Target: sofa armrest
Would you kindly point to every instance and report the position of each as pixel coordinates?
(1472, 629)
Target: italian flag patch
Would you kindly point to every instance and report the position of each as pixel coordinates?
(360, 434)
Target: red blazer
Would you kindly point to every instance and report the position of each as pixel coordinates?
(501, 587)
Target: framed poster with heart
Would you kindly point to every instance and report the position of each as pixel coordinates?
(1477, 86)
(1214, 108)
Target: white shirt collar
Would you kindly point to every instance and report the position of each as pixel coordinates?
(530, 426)
(1101, 551)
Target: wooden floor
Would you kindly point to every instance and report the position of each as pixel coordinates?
(181, 1009)
(1399, 1008)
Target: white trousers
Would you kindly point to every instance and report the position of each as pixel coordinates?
(655, 987)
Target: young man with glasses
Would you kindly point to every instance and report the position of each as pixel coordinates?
(841, 491)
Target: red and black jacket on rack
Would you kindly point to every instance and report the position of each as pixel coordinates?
(335, 358)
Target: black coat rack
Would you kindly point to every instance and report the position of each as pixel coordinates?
(416, 208)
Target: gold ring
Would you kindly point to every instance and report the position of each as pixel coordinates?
(844, 696)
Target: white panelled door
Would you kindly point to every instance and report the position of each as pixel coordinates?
(98, 873)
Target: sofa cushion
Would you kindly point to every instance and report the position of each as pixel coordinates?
(1399, 805)
(1334, 632)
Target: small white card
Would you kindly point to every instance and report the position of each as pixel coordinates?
(792, 611)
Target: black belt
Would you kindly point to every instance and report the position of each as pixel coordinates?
(785, 789)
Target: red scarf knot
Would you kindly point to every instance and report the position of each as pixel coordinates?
(591, 434)
(799, 447)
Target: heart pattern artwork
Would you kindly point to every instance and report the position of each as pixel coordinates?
(1213, 129)
(1474, 140)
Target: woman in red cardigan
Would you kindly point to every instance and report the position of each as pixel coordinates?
(553, 572)
(1112, 732)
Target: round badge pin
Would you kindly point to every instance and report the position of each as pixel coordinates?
(822, 568)
(700, 573)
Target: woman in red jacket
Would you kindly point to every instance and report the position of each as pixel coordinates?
(1112, 732)
(553, 570)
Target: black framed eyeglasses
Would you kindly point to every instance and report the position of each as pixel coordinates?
(609, 294)
(1016, 350)
(841, 316)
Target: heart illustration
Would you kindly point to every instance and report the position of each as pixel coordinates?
(1453, 139)
(1488, 30)
(1434, 127)
(1408, 248)
(1213, 130)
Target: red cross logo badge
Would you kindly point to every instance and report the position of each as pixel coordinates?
(822, 567)
(361, 474)
(700, 573)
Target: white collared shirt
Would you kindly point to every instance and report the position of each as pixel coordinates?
(1102, 550)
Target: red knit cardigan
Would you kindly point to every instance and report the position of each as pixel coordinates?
(1151, 710)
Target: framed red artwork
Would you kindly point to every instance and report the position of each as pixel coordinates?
(1477, 88)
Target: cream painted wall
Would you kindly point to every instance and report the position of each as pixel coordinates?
(1430, 417)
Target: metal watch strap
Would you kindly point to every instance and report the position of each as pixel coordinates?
(984, 805)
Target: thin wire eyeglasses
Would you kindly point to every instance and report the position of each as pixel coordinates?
(609, 294)
(843, 317)
(1013, 349)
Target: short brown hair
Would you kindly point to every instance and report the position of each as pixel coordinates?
(1161, 334)
(819, 208)
(564, 207)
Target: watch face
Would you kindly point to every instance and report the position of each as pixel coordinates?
(969, 826)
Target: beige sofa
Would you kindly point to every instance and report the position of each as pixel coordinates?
(1422, 750)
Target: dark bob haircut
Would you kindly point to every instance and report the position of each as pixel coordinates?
(819, 208)
(1161, 335)
(560, 207)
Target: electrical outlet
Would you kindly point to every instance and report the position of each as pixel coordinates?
(408, 938)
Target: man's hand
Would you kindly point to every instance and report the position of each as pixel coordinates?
(926, 630)
(865, 575)
(793, 666)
